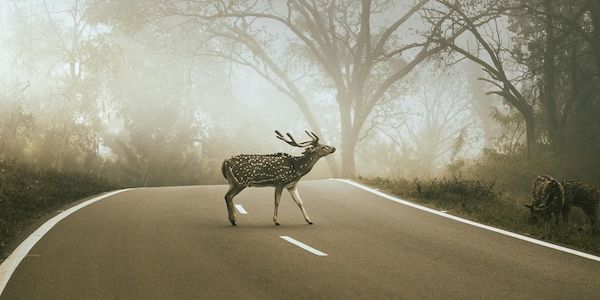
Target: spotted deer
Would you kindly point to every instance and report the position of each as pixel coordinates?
(583, 196)
(548, 196)
(279, 170)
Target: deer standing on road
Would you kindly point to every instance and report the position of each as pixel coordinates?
(279, 170)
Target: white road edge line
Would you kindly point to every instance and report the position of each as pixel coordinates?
(11, 263)
(303, 246)
(455, 218)
(241, 209)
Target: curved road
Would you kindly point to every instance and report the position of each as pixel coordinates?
(176, 243)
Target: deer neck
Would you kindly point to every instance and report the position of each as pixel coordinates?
(305, 162)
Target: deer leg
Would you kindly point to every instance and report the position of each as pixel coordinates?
(594, 219)
(278, 190)
(294, 192)
(233, 190)
(591, 214)
(565, 214)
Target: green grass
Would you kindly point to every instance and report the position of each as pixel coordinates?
(27, 194)
(481, 202)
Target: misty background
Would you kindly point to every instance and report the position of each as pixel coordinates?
(150, 93)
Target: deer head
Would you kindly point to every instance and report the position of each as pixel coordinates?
(312, 147)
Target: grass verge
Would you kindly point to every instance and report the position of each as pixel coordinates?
(479, 201)
(27, 194)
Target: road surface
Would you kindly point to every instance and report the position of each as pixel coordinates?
(176, 243)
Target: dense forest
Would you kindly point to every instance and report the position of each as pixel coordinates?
(151, 93)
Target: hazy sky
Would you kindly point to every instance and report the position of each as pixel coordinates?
(242, 101)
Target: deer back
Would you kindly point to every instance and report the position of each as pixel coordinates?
(580, 194)
(262, 169)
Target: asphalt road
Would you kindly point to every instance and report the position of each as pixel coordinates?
(176, 243)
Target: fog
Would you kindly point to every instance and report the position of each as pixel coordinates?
(161, 92)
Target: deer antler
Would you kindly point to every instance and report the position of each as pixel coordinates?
(313, 136)
(291, 141)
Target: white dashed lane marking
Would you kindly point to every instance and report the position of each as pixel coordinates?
(241, 209)
(303, 246)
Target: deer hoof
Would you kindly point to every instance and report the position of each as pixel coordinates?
(276, 224)
(309, 222)
(232, 223)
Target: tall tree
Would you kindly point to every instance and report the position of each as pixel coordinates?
(61, 57)
(594, 8)
(342, 42)
(554, 41)
(434, 126)
(158, 140)
(549, 82)
(481, 21)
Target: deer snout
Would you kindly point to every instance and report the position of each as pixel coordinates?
(332, 149)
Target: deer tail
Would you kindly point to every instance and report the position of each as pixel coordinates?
(223, 168)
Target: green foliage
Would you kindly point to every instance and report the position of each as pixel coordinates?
(27, 194)
(562, 28)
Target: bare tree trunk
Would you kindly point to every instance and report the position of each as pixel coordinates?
(549, 97)
(348, 165)
(348, 160)
(594, 6)
(575, 93)
(530, 130)
(482, 107)
(348, 139)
